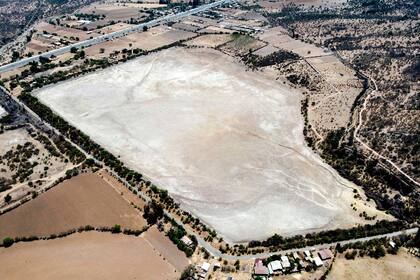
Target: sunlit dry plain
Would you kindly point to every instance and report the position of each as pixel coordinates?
(226, 142)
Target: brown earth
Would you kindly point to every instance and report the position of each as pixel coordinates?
(165, 246)
(89, 255)
(402, 266)
(82, 200)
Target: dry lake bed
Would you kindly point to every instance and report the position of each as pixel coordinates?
(226, 142)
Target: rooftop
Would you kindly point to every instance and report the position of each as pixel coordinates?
(325, 254)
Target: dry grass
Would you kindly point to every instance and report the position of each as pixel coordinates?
(402, 267)
(82, 200)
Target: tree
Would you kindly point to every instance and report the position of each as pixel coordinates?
(44, 60)
(417, 239)
(116, 229)
(15, 55)
(188, 273)
(7, 242)
(145, 28)
(7, 198)
(73, 50)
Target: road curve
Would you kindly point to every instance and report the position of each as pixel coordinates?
(110, 36)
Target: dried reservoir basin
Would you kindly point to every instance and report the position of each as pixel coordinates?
(227, 143)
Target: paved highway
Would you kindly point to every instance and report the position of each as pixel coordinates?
(111, 36)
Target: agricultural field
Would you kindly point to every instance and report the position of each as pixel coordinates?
(212, 145)
(82, 200)
(89, 255)
(166, 248)
(209, 41)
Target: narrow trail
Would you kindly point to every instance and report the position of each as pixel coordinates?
(365, 145)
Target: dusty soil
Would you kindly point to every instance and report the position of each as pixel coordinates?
(209, 41)
(230, 148)
(122, 189)
(83, 200)
(154, 38)
(167, 249)
(62, 31)
(89, 255)
(402, 266)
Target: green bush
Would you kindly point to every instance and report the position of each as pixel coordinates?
(116, 229)
(7, 242)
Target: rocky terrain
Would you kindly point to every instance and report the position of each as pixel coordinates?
(379, 39)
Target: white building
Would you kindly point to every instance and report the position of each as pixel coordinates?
(205, 266)
(275, 267)
(285, 262)
(317, 261)
(187, 241)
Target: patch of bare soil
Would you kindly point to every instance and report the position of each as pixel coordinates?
(83, 200)
(89, 255)
(402, 266)
(168, 250)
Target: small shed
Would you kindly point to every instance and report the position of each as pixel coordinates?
(325, 254)
(260, 269)
(205, 266)
(285, 262)
(187, 241)
(275, 266)
(317, 261)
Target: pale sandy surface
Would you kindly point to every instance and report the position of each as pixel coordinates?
(82, 200)
(391, 267)
(90, 256)
(2, 112)
(226, 142)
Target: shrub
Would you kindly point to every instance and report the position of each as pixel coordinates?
(116, 229)
(350, 255)
(7, 242)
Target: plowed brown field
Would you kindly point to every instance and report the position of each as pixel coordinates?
(83, 200)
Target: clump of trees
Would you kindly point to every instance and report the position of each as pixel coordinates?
(188, 273)
(176, 233)
(256, 61)
(278, 242)
(152, 212)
